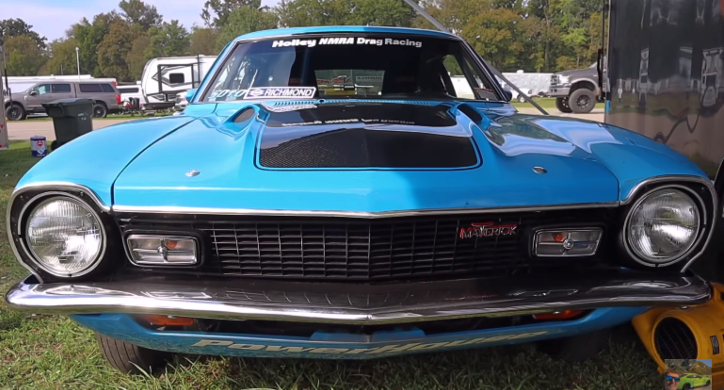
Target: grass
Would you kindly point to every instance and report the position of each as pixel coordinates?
(110, 116)
(53, 352)
(546, 103)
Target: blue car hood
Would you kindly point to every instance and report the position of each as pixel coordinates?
(375, 157)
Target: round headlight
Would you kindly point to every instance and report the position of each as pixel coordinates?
(65, 236)
(663, 226)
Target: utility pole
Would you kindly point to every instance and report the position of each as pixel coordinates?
(77, 60)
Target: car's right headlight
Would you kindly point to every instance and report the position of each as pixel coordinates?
(564, 79)
(663, 226)
(64, 236)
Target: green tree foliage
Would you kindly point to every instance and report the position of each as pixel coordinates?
(89, 37)
(138, 12)
(62, 58)
(203, 41)
(216, 13)
(113, 50)
(24, 57)
(533, 35)
(17, 27)
(245, 20)
(171, 39)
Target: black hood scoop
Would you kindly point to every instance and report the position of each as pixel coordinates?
(365, 136)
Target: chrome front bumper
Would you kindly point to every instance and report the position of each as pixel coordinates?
(358, 304)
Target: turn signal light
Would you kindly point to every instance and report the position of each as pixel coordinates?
(159, 320)
(152, 250)
(566, 242)
(559, 315)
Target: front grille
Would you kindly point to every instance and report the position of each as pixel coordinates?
(361, 249)
(554, 79)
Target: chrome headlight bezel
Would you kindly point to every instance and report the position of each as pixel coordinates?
(25, 199)
(701, 232)
(45, 198)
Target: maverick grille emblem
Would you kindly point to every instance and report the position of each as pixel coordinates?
(488, 229)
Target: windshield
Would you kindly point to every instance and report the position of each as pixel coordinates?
(350, 66)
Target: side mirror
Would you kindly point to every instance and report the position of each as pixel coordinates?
(508, 95)
(33, 93)
(190, 94)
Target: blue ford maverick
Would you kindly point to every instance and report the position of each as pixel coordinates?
(354, 193)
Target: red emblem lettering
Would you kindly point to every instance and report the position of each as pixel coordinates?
(488, 229)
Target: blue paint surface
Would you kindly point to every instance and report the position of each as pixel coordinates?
(345, 345)
(586, 162)
(96, 158)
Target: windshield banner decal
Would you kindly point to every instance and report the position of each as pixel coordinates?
(346, 41)
(280, 92)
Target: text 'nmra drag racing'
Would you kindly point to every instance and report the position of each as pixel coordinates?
(346, 41)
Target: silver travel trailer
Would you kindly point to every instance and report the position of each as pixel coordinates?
(164, 77)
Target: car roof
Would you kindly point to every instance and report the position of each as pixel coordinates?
(343, 29)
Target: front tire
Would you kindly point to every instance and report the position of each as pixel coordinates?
(582, 101)
(15, 112)
(562, 105)
(129, 358)
(576, 348)
(100, 111)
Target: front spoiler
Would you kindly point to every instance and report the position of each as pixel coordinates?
(360, 304)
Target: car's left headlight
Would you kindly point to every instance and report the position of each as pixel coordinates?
(663, 226)
(65, 237)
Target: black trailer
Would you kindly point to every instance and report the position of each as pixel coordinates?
(665, 74)
(665, 80)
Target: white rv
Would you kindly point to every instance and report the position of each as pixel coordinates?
(164, 77)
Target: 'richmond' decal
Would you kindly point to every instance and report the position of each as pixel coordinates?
(387, 349)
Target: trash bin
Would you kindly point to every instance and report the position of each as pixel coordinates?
(71, 119)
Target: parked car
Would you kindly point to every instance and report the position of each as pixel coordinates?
(576, 90)
(690, 381)
(106, 96)
(388, 217)
(181, 101)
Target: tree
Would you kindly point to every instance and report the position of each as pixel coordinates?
(89, 36)
(138, 12)
(203, 41)
(18, 27)
(171, 39)
(245, 20)
(113, 50)
(453, 14)
(62, 59)
(495, 36)
(216, 13)
(381, 13)
(24, 57)
(137, 56)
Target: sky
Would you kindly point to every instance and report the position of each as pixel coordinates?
(51, 18)
(705, 361)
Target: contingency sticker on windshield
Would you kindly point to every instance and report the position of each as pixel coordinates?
(346, 41)
(280, 92)
(296, 107)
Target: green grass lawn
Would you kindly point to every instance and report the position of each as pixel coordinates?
(110, 116)
(53, 352)
(546, 104)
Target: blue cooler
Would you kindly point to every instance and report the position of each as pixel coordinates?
(38, 146)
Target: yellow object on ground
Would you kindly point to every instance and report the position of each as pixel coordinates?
(663, 332)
